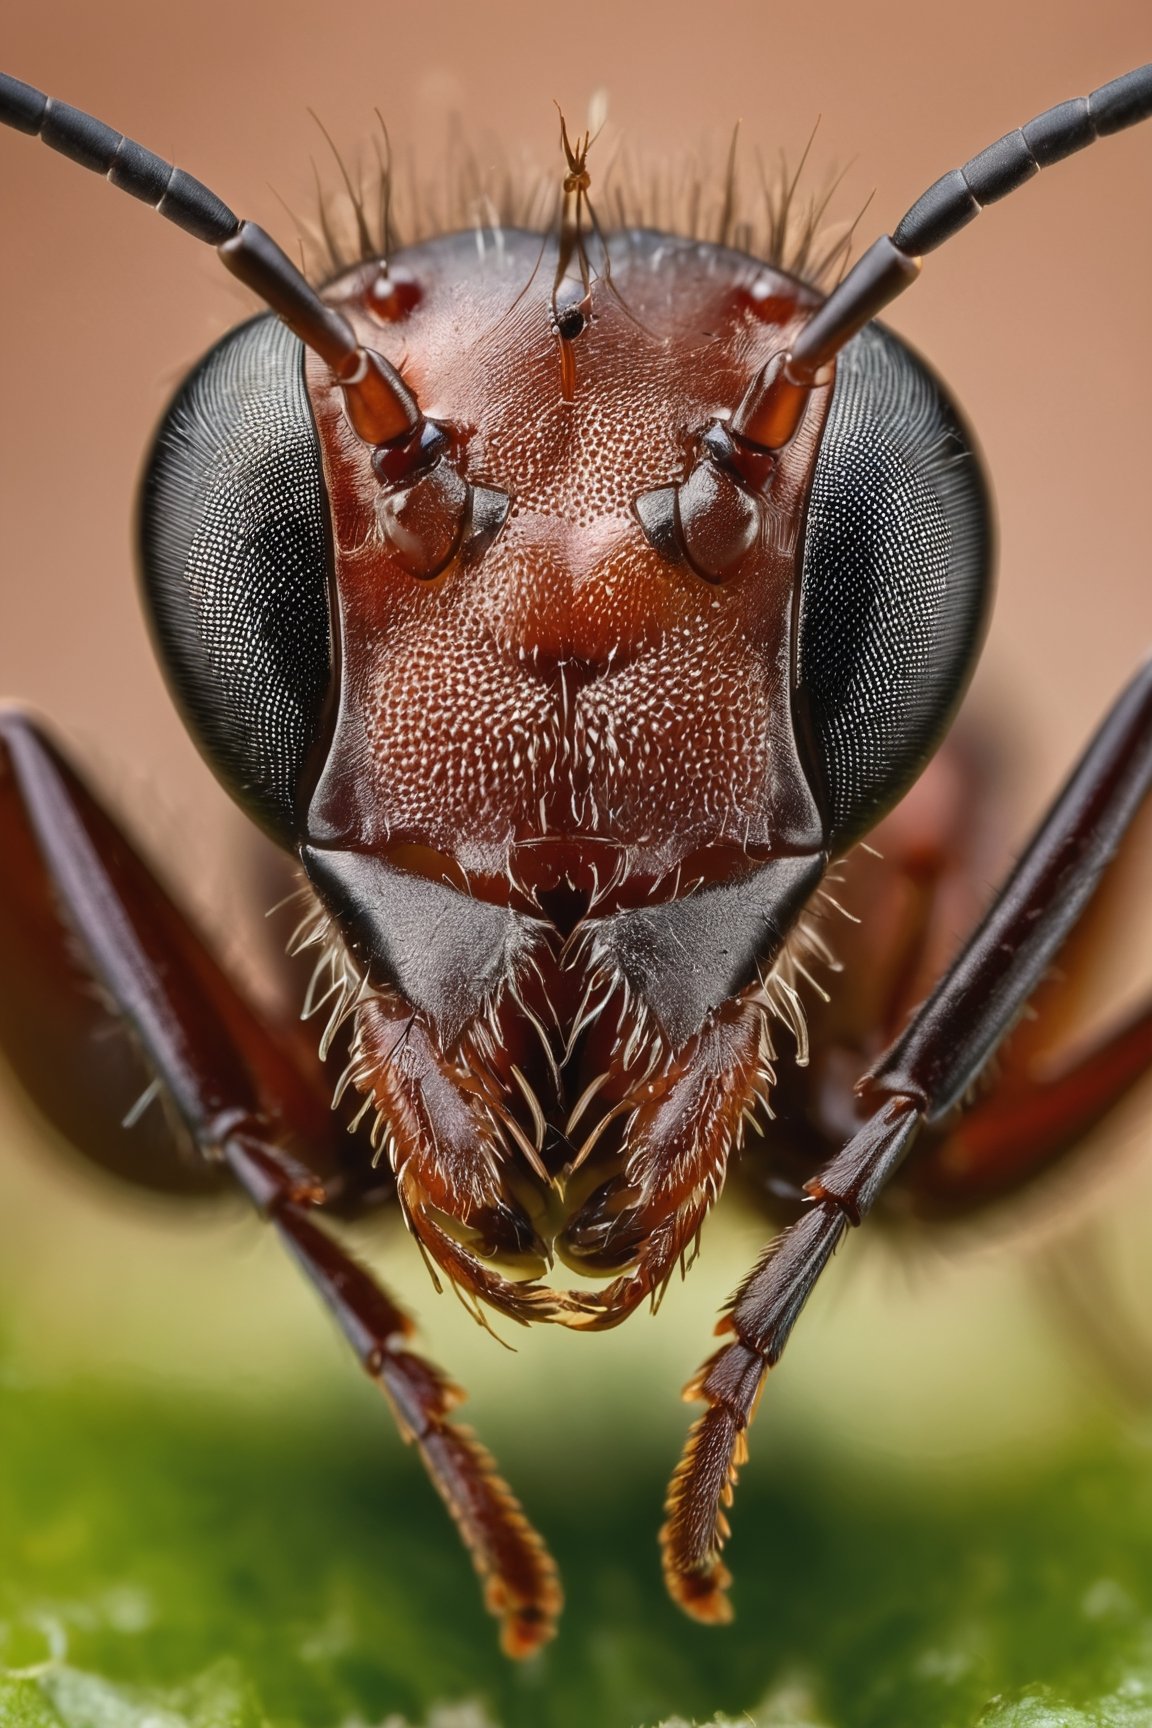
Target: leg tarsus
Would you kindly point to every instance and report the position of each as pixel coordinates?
(761, 1316)
(695, 1576)
(521, 1584)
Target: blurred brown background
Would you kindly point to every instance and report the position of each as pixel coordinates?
(1038, 316)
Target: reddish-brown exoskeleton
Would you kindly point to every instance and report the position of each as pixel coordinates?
(565, 604)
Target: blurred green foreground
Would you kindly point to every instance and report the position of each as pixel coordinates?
(206, 1518)
(167, 1564)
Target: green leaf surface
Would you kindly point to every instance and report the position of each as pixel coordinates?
(172, 1561)
(208, 1521)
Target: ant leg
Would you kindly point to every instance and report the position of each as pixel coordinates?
(923, 1077)
(900, 902)
(96, 954)
(1049, 1091)
(1020, 1131)
(79, 907)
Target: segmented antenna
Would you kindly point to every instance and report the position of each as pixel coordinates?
(380, 405)
(773, 405)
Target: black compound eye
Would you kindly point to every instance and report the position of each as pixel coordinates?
(235, 560)
(896, 578)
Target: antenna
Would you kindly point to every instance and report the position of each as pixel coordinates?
(772, 407)
(380, 405)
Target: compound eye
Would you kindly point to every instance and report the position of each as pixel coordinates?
(236, 563)
(896, 578)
